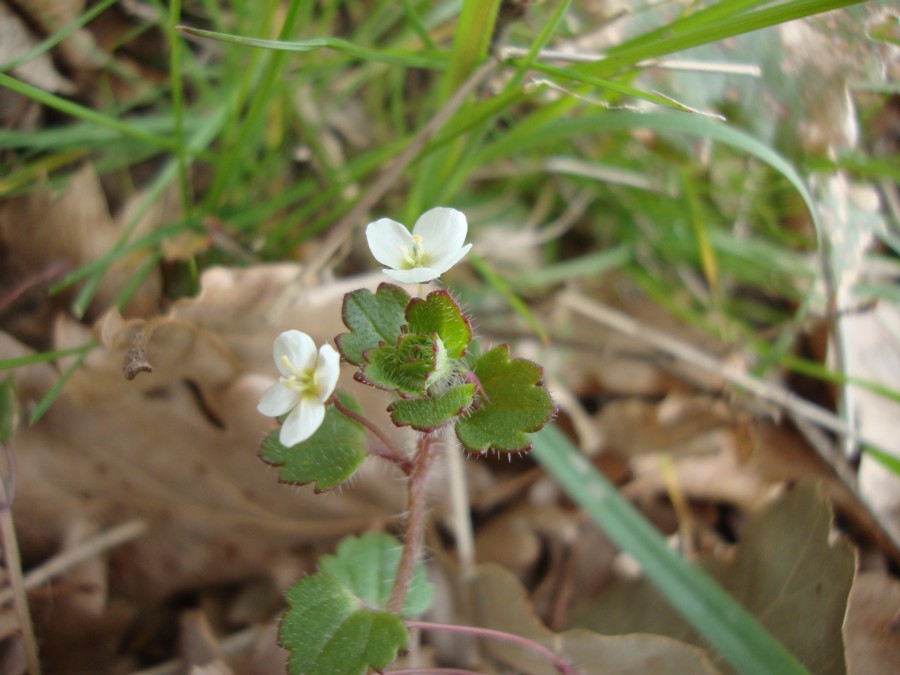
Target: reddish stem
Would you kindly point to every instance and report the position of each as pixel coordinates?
(390, 452)
(431, 671)
(415, 521)
(562, 665)
(50, 272)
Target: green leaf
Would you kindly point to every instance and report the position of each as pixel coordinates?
(328, 630)
(373, 319)
(328, 457)
(439, 313)
(368, 566)
(425, 414)
(514, 402)
(337, 621)
(406, 367)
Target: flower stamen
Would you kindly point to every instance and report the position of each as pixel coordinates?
(301, 381)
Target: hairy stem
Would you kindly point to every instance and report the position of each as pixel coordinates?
(415, 521)
(391, 452)
(562, 665)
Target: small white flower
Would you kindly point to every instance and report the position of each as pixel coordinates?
(306, 382)
(435, 245)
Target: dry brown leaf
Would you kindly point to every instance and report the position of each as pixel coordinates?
(78, 49)
(16, 39)
(177, 448)
(785, 572)
(500, 603)
(72, 227)
(872, 626)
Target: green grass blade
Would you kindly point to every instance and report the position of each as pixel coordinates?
(471, 42)
(233, 150)
(504, 289)
(393, 57)
(889, 461)
(472, 38)
(625, 56)
(44, 404)
(418, 25)
(43, 357)
(591, 265)
(746, 645)
(130, 129)
(624, 89)
(663, 122)
(524, 64)
(175, 77)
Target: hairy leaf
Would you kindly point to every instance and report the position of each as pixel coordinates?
(327, 629)
(328, 458)
(368, 565)
(424, 414)
(439, 313)
(337, 621)
(513, 403)
(407, 366)
(373, 319)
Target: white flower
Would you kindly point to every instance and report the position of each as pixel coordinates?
(435, 245)
(306, 382)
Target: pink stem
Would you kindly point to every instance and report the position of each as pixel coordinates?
(431, 671)
(390, 452)
(561, 664)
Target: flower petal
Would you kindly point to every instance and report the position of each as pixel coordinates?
(302, 422)
(417, 275)
(299, 349)
(449, 259)
(277, 400)
(387, 239)
(327, 371)
(442, 229)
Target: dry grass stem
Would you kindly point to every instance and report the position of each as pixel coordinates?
(17, 591)
(78, 554)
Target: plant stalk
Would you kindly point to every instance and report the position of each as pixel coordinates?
(560, 663)
(415, 522)
(391, 452)
(14, 571)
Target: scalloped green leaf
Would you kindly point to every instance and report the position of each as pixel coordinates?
(327, 629)
(368, 566)
(439, 313)
(373, 319)
(337, 623)
(514, 403)
(328, 457)
(407, 366)
(425, 414)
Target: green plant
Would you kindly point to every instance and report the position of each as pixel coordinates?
(420, 349)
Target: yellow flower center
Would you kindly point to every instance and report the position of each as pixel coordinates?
(417, 256)
(301, 381)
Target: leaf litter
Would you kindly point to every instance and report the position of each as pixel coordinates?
(214, 540)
